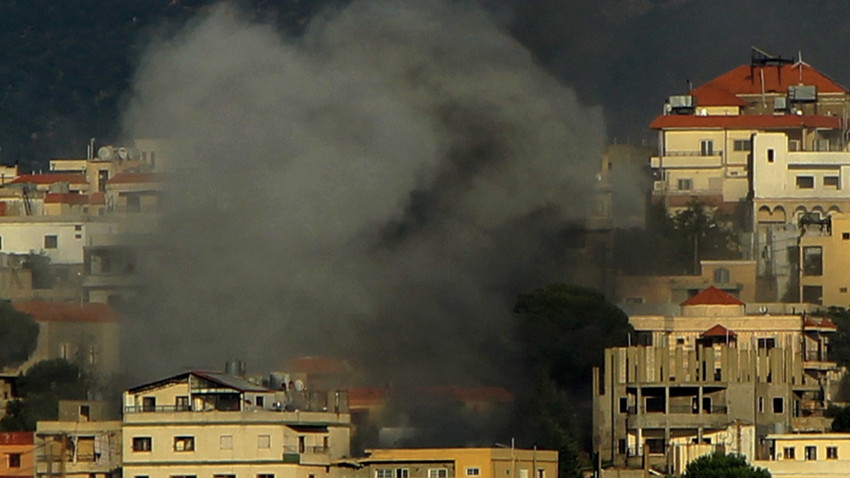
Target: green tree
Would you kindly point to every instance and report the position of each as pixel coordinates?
(562, 333)
(40, 389)
(18, 335)
(703, 233)
(720, 465)
(840, 418)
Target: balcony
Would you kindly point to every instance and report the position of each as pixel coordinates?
(307, 455)
(680, 417)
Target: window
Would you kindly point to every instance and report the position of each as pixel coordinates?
(183, 476)
(260, 401)
(805, 182)
(842, 290)
(473, 471)
(721, 275)
(184, 443)
(223, 476)
(706, 147)
(134, 203)
(181, 403)
(384, 473)
(845, 235)
(811, 453)
(771, 155)
(148, 404)
(778, 405)
(402, 473)
(680, 341)
(813, 294)
(264, 441)
(761, 404)
(686, 184)
(656, 445)
(741, 145)
(225, 442)
(766, 343)
(265, 475)
(624, 404)
(438, 473)
(789, 452)
(85, 413)
(142, 443)
(102, 177)
(831, 182)
(51, 242)
(832, 453)
(14, 460)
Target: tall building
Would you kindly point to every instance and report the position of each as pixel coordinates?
(705, 135)
(697, 378)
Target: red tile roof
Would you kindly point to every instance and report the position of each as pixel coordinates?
(745, 121)
(68, 311)
(709, 95)
(127, 178)
(747, 80)
(16, 438)
(74, 198)
(50, 178)
(713, 296)
(825, 323)
(719, 331)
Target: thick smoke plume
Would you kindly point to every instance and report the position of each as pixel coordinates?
(379, 188)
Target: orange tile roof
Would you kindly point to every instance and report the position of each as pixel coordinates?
(745, 121)
(719, 331)
(126, 178)
(713, 296)
(17, 438)
(747, 80)
(50, 178)
(68, 311)
(709, 95)
(74, 198)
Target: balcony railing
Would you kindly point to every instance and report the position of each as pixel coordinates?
(717, 409)
(157, 408)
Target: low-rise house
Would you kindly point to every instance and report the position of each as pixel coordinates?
(84, 443)
(212, 425)
(16, 454)
(455, 463)
(807, 455)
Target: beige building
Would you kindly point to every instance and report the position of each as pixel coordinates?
(807, 455)
(16, 454)
(705, 136)
(824, 258)
(454, 463)
(693, 376)
(87, 334)
(83, 443)
(215, 425)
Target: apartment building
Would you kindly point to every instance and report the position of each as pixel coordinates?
(454, 463)
(705, 135)
(696, 377)
(85, 442)
(824, 277)
(215, 425)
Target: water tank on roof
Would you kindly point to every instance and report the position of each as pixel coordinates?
(106, 153)
(802, 93)
(235, 368)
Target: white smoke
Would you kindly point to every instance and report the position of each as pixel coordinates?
(380, 187)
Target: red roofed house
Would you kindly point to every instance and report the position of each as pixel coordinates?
(694, 382)
(88, 334)
(705, 135)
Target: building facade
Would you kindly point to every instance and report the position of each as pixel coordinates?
(694, 377)
(215, 425)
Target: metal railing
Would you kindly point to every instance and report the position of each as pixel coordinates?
(157, 409)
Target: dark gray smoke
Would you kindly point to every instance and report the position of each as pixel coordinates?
(379, 188)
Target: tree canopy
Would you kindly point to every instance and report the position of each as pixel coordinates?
(18, 335)
(720, 465)
(40, 389)
(562, 333)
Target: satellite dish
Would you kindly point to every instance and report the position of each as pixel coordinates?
(105, 153)
(123, 153)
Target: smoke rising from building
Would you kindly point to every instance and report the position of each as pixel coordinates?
(379, 188)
